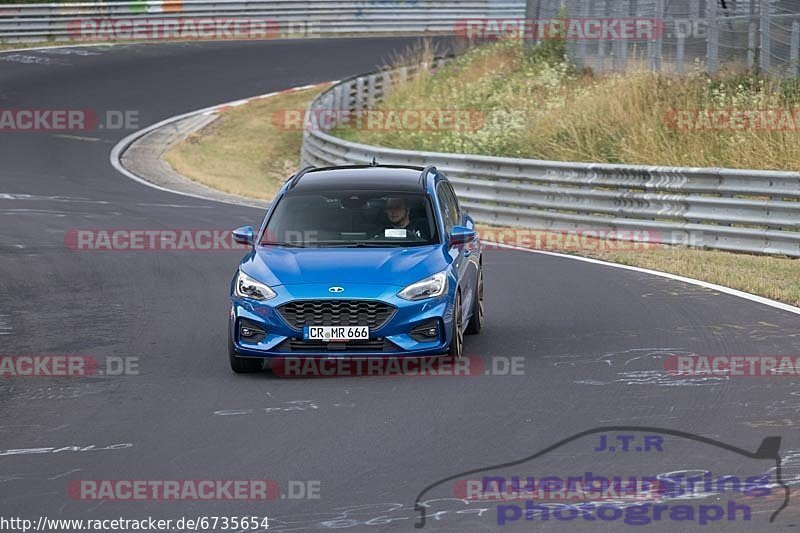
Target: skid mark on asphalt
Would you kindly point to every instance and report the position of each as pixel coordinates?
(46, 212)
(38, 427)
(37, 197)
(31, 393)
(292, 406)
(58, 214)
(37, 476)
(615, 359)
(682, 292)
(27, 59)
(69, 52)
(777, 413)
(664, 379)
(667, 288)
(178, 206)
(653, 372)
(594, 335)
(78, 138)
(73, 448)
(628, 420)
(5, 327)
(378, 515)
(790, 467)
(758, 331)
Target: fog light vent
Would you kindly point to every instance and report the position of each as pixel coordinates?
(428, 331)
(250, 331)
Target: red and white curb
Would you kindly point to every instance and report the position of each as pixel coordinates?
(120, 148)
(237, 103)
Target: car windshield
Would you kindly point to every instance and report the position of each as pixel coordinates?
(361, 218)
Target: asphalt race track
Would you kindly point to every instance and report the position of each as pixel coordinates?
(593, 339)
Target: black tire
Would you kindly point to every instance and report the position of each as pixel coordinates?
(457, 344)
(476, 321)
(243, 365)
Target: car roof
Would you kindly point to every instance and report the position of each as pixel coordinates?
(379, 178)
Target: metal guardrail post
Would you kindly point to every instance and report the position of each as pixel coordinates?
(580, 46)
(654, 45)
(712, 43)
(359, 100)
(766, 37)
(751, 45)
(794, 60)
(533, 10)
(602, 43)
(694, 9)
(621, 10)
(680, 55)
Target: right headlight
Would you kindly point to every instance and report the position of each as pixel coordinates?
(247, 287)
(431, 287)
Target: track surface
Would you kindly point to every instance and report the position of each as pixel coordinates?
(593, 338)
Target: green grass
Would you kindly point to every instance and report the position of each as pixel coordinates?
(536, 106)
(244, 151)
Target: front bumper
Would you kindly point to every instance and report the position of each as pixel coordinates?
(276, 337)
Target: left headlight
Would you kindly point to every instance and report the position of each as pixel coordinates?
(431, 287)
(247, 287)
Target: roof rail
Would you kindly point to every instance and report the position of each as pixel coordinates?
(300, 174)
(423, 178)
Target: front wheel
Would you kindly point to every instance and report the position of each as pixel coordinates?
(243, 365)
(457, 343)
(475, 324)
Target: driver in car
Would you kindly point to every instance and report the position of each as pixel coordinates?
(399, 216)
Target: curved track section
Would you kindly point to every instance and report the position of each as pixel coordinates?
(593, 340)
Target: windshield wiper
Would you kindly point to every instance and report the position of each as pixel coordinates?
(374, 244)
(360, 245)
(284, 244)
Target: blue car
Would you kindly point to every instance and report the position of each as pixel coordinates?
(357, 261)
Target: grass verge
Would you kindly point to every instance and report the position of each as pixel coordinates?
(243, 152)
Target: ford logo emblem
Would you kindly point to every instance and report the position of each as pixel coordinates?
(336, 289)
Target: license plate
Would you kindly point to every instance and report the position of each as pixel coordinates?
(337, 333)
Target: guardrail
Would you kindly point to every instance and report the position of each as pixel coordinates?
(739, 210)
(299, 18)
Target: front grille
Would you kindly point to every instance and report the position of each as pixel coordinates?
(336, 313)
(302, 346)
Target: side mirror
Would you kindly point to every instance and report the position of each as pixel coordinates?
(461, 235)
(243, 235)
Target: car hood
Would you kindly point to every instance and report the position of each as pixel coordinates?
(385, 266)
